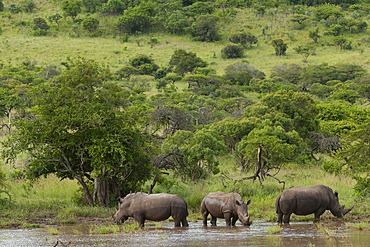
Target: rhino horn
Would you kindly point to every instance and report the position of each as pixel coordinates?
(247, 222)
(345, 211)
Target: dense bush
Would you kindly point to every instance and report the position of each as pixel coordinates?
(144, 64)
(40, 26)
(280, 47)
(177, 22)
(243, 38)
(242, 73)
(91, 24)
(232, 51)
(205, 28)
(137, 19)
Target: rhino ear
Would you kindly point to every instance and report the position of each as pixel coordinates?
(248, 202)
(237, 202)
(336, 193)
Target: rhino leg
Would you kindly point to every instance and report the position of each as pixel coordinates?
(177, 223)
(227, 218)
(286, 218)
(185, 223)
(234, 221)
(280, 218)
(205, 215)
(213, 220)
(318, 213)
(140, 219)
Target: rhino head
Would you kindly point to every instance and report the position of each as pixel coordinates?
(336, 209)
(242, 211)
(120, 215)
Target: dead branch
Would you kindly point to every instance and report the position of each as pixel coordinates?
(58, 241)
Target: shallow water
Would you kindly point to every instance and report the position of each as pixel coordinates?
(164, 234)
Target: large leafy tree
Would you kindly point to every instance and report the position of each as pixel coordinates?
(79, 128)
(355, 153)
(194, 154)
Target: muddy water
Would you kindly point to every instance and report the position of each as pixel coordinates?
(258, 234)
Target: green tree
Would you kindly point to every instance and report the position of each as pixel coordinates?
(299, 107)
(1, 6)
(278, 146)
(138, 18)
(144, 64)
(196, 152)
(184, 62)
(92, 5)
(232, 51)
(55, 17)
(91, 24)
(280, 47)
(40, 26)
(242, 73)
(205, 28)
(177, 22)
(343, 43)
(314, 34)
(114, 7)
(298, 20)
(84, 132)
(71, 8)
(305, 50)
(326, 11)
(28, 5)
(244, 39)
(355, 154)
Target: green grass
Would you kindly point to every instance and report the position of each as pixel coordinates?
(274, 229)
(363, 225)
(17, 44)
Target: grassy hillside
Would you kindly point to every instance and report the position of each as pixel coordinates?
(17, 44)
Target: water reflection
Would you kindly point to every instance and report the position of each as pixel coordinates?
(258, 234)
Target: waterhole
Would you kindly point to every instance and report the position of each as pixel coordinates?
(260, 233)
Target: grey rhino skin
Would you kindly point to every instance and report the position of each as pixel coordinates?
(155, 207)
(308, 200)
(225, 205)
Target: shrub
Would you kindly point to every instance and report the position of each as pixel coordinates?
(205, 28)
(91, 24)
(114, 7)
(28, 5)
(177, 22)
(144, 64)
(244, 39)
(324, 12)
(232, 51)
(289, 72)
(280, 47)
(242, 73)
(343, 43)
(40, 26)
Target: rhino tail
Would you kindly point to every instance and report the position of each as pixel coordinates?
(277, 205)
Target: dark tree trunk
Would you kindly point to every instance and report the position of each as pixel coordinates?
(86, 191)
(103, 192)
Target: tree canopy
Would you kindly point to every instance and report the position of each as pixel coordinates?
(79, 128)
